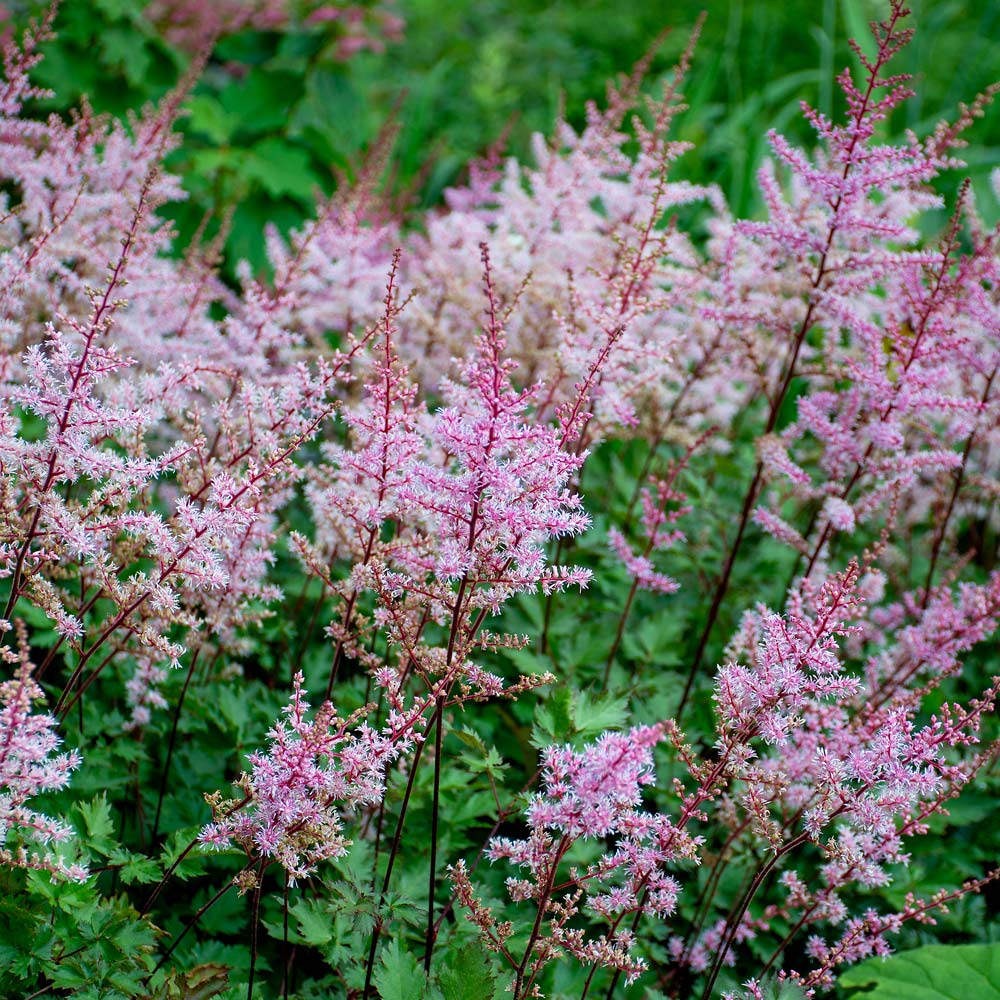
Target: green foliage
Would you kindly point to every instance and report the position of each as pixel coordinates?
(79, 939)
(400, 976)
(935, 972)
(202, 983)
(465, 974)
(261, 140)
(469, 975)
(568, 715)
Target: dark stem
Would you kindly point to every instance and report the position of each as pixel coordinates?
(619, 634)
(720, 590)
(254, 920)
(393, 851)
(170, 745)
(166, 877)
(285, 985)
(543, 905)
(942, 528)
(301, 650)
(190, 924)
(543, 645)
(432, 875)
(736, 917)
(618, 973)
(789, 372)
(180, 857)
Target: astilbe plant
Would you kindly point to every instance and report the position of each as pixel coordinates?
(294, 794)
(409, 413)
(576, 241)
(594, 794)
(801, 758)
(177, 446)
(29, 766)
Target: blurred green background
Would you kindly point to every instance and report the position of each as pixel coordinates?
(274, 113)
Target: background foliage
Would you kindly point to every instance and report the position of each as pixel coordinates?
(275, 115)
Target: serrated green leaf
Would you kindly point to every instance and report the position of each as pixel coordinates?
(98, 824)
(135, 868)
(193, 862)
(313, 923)
(280, 169)
(773, 989)
(399, 975)
(554, 717)
(592, 716)
(207, 115)
(935, 972)
(468, 975)
(471, 739)
(262, 101)
(122, 49)
(200, 983)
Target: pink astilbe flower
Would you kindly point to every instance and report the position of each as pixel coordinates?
(578, 257)
(220, 467)
(169, 436)
(30, 765)
(191, 25)
(295, 794)
(895, 425)
(795, 663)
(494, 486)
(803, 762)
(640, 566)
(129, 390)
(469, 494)
(346, 248)
(894, 360)
(143, 692)
(355, 491)
(73, 190)
(851, 772)
(660, 514)
(918, 640)
(698, 956)
(595, 793)
(865, 935)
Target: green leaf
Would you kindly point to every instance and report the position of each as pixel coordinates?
(329, 101)
(480, 757)
(935, 972)
(123, 49)
(566, 714)
(314, 922)
(262, 101)
(114, 8)
(280, 168)
(200, 983)
(194, 862)
(554, 718)
(207, 116)
(136, 868)
(235, 712)
(97, 821)
(400, 977)
(594, 716)
(772, 989)
(468, 975)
